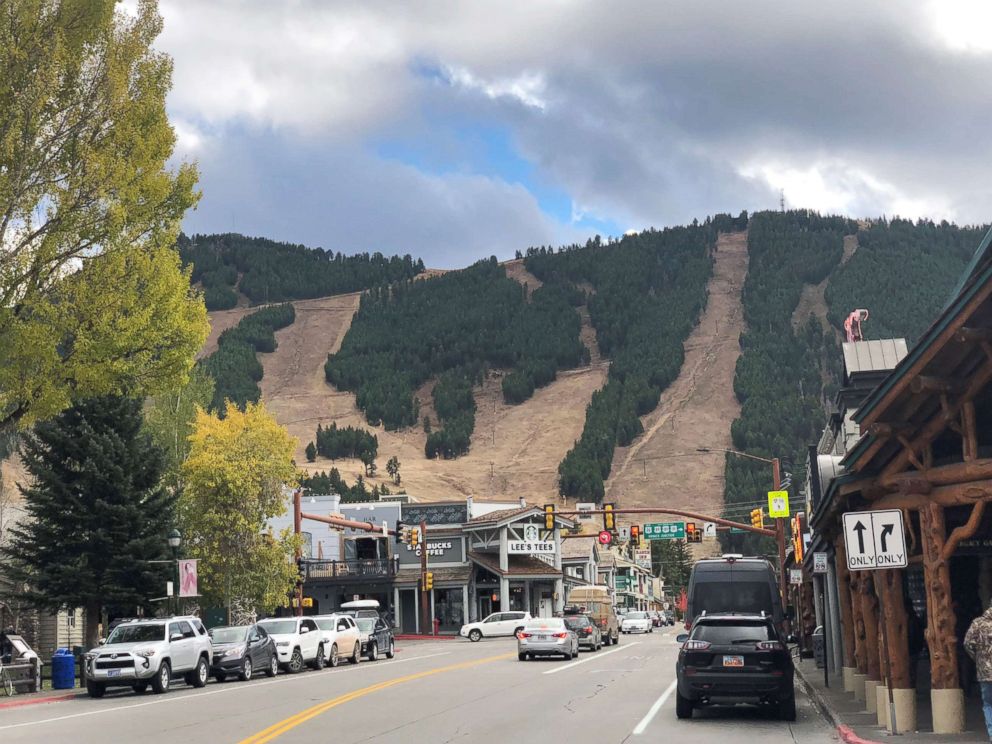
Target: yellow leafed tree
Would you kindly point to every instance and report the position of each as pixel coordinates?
(235, 480)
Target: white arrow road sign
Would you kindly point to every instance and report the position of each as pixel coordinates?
(874, 540)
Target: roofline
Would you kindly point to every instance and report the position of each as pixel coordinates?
(976, 260)
(877, 396)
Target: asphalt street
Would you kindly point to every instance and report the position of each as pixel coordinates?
(438, 692)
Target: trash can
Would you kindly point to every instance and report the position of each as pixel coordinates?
(63, 669)
(818, 647)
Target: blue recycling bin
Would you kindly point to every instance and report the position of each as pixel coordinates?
(63, 669)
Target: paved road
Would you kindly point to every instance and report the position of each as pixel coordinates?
(437, 692)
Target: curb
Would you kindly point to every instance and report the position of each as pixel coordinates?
(414, 637)
(40, 700)
(845, 732)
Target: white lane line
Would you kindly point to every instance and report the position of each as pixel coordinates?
(639, 728)
(592, 658)
(227, 688)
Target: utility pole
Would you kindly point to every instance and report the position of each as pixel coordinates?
(297, 528)
(780, 534)
(425, 604)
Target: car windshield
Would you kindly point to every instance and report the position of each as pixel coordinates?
(228, 635)
(726, 634)
(637, 616)
(137, 633)
(279, 627)
(576, 622)
(326, 623)
(365, 624)
(732, 596)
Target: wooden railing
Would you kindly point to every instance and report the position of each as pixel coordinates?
(356, 569)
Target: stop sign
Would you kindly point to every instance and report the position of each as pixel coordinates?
(605, 538)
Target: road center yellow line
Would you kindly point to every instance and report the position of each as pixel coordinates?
(280, 728)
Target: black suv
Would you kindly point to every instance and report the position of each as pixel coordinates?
(730, 658)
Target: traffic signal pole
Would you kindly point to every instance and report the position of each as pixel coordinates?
(780, 535)
(425, 605)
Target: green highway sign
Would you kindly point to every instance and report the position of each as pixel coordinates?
(665, 531)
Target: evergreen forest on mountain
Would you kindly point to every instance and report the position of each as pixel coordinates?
(267, 271)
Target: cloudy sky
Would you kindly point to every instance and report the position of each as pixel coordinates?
(454, 130)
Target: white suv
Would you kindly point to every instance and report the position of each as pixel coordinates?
(142, 652)
(340, 636)
(497, 624)
(298, 642)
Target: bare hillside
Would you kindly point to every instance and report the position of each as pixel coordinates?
(662, 468)
(812, 301)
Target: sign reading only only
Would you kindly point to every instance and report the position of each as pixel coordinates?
(874, 540)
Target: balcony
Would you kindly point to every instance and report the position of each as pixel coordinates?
(356, 570)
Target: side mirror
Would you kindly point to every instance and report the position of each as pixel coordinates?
(304, 629)
(682, 637)
(175, 637)
(102, 641)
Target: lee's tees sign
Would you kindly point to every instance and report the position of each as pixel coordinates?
(531, 544)
(874, 540)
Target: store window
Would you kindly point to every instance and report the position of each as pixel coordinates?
(449, 608)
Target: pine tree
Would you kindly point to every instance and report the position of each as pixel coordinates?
(98, 513)
(311, 452)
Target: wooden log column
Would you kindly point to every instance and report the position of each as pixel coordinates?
(846, 616)
(888, 586)
(947, 699)
(860, 647)
(869, 616)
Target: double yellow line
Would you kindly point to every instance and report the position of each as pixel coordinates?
(292, 722)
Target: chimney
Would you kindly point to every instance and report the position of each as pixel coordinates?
(468, 505)
(523, 502)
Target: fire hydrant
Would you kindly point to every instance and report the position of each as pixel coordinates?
(437, 625)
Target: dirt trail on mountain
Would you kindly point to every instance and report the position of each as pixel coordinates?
(696, 410)
(516, 270)
(813, 299)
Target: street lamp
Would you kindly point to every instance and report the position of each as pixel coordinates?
(174, 540)
(779, 524)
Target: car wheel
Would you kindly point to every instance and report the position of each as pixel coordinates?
(787, 708)
(246, 670)
(200, 674)
(475, 635)
(373, 651)
(392, 649)
(356, 655)
(683, 706)
(296, 662)
(522, 657)
(95, 689)
(162, 679)
(273, 669)
(220, 677)
(333, 659)
(318, 660)
(140, 687)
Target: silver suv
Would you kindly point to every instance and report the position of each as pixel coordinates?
(153, 651)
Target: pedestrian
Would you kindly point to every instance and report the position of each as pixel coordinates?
(978, 644)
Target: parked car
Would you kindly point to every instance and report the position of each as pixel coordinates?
(733, 583)
(656, 620)
(598, 604)
(298, 642)
(242, 650)
(340, 635)
(497, 624)
(376, 637)
(589, 635)
(734, 658)
(361, 608)
(547, 636)
(669, 617)
(139, 653)
(636, 622)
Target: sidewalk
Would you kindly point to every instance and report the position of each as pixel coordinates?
(38, 698)
(856, 726)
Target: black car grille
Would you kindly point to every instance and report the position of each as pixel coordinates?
(115, 664)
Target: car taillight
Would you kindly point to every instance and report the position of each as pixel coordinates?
(769, 646)
(587, 631)
(696, 645)
(521, 634)
(561, 635)
(603, 622)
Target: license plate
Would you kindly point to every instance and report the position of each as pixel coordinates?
(733, 661)
(540, 638)
(113, 672)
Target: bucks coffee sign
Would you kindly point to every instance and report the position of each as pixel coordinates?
(439, 550)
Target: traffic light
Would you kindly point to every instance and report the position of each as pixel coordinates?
(428, 581)
(609, 518)
(414, 536)
(758, 518)
(301, 570)
(549, 516)
(402, 533)
(635, 534)
(692, 534)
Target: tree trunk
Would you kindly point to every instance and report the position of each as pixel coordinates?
(941, 621)
(869, 616)
(888, 584)
(93, 618)
(844, 595)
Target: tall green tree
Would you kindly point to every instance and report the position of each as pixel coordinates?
(675, 561)
(170, 418)
(93, 298)
(98, 514)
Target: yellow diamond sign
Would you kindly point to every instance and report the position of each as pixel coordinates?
(778, 504)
